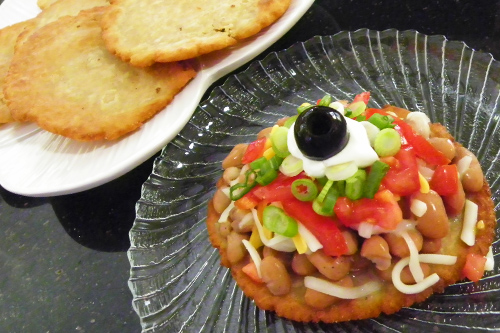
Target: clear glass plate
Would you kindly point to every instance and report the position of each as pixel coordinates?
(176, 279)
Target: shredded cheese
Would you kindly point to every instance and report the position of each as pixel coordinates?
(246, 220)
(424, 184)
(429, 281)
(415, 268)
(365, 230)
(463, 165)
(312, 242)
(332, 289)
(418, 207)
(225, 214)
(490, 260)
(255, 238)
(253, 254)
(278, 242)
(269, 153)
(300, 243)
(225, 190)
(468, 235)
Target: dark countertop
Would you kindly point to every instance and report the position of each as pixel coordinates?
(63, 260)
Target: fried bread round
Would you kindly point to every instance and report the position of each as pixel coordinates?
(388, 300)
(8, 37)
(43, 4)
(54, 11)
(74, 87)
(148, 31)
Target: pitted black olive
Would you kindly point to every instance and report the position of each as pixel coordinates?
(320, 132)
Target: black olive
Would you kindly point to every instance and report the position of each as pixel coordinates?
(320, 132)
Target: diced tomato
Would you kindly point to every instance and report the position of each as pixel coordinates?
(324, 228)
(422, 147)
(400, 112)
(278, 190)
(474, 267)
(248, 201)
(254, 150)
(250, 269)
(364, 97)
(402, 178)
(383, 210)
(370, 111)
(445, 179)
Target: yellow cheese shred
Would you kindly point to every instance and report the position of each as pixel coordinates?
(424, 184)
(300, 243)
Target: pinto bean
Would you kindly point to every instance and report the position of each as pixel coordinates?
(376, 250)
(265, 132)
(301, 265)
(334, 268)
(235, 249)
(431, 245)
(351, 240)
(230, 174)
(434, 223)
(455, 202)
(275, 276)
(473, 178)
(398, 246)
(220, 201)
(235, 156)
(407, 277)
(237, 215)
(284, 257)
(319, 300)
(224, 228)
(444, 145)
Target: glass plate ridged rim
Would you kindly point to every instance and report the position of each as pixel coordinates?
(176, 279)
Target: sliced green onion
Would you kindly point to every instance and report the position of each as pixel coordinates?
(275, 162)
(326, 206)
(354, 185)
(361, 118)
(279, 138)
(266, 177)
(324, 191)
(356, 109)
(371, 131)
(303, 107)
(288, 123)
(341, 171)
(291, 166)
(275, 219)
(322, 180)
(304, 189)
(325, 101)
(258, 163)
(237, 191)
(381, 121)
(377, 172)
(340, 186)
(265, 170)
(387, 142)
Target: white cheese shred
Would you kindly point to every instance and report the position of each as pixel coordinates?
(463, 165)
(418, 207)
(365, 230)
(312, 242)
(440, 259)
(414, 263)
(278, 242)
(253, 254)
(332, 289)
(468, 235)
(490, 260)
(246, 220)
(225, 214)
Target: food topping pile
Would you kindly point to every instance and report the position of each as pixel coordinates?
(341, 201)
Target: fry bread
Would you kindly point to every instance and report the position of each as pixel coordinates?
(53, 12)
(74, 87)
(8, 37)
(44, 4)
(147, 31)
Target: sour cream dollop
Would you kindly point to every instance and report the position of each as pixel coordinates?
(357, 150)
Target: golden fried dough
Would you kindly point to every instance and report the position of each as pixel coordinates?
(8, 36)
(56, 10)
(43, 4)
(66, 81)
(148, 31)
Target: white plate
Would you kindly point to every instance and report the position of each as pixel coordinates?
(34, 162)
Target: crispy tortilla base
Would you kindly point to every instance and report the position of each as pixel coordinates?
(54, 11)
(8, 37)
(148, 31)
(74, 87)
(388, 300)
